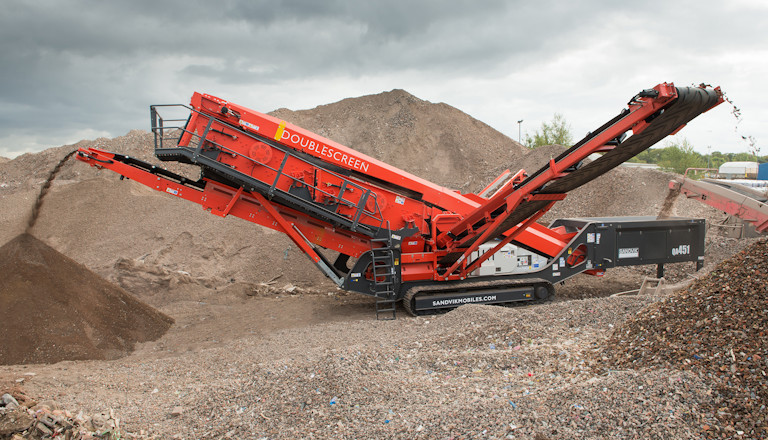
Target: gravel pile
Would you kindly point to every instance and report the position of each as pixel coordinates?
(430, 140)
(717, 328)
(53, 309)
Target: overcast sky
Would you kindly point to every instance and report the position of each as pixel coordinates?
(75, 70)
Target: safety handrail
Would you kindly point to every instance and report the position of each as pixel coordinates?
(196, 142)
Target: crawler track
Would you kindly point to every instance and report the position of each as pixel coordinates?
(543, 292)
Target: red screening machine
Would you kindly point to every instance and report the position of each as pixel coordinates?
(397, 237)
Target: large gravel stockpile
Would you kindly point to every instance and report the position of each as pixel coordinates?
(53, 309)
(434, 141)
(717, 328)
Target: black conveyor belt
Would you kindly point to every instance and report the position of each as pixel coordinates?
(691, 102)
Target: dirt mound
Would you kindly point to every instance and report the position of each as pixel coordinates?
(54, 309)
(434, 141)
(717, 327)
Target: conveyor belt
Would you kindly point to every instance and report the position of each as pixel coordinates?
(753, 193)
(691, 102)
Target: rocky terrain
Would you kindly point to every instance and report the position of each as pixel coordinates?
(717, 328)
(263, 347)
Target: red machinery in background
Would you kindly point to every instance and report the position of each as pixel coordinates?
(747, 204)
(399, 237)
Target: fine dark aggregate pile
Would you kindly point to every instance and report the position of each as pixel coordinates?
(53, 308)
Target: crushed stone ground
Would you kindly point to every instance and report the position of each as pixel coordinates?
(717, 327)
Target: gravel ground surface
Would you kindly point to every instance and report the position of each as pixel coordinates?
(717, 328)
(476, 372)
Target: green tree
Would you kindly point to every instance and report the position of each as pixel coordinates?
(557, 132)
(717, 158)
(678, 157)
(665, 157)
(743, 157)
(651, 155)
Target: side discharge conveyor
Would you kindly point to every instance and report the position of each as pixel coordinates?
(398, 237)
(737, 200)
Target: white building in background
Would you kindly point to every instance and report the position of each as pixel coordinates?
(738, 170)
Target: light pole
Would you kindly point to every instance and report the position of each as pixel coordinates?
(519, 130)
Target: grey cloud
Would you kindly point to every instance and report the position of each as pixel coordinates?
(76, 65)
